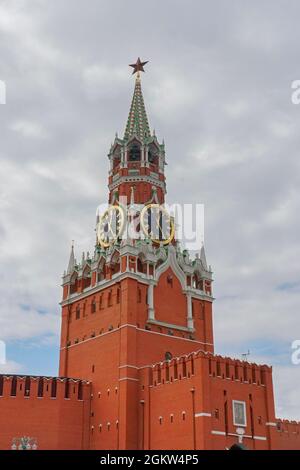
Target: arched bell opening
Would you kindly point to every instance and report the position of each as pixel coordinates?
(116, 157)
(86, 277)
(197, 282)
(153, 155)
(134, 153)
(115, 263)
(141, 264)
(74, 283)
(101, 270)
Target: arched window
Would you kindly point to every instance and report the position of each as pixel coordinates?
(184, 369)
(168, 356)
(134, 153)
(116, 158)
(115, 263)
(93, 306)
(141, 265)
(192, 366)
(175, 371)
(197, 282)
(101, 271)
(167, 373)
(152, 156)
(74, 283)
(109, 299)
(87, 277)
(77, 312)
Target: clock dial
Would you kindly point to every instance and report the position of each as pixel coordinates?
(157, 224)
(110, 226)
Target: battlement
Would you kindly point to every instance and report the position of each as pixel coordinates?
(55, 410)
(235, 369)
(217, 366)
(43, 387)
(288, 434)
(291, 427)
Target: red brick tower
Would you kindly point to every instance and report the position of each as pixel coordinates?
(135, 302)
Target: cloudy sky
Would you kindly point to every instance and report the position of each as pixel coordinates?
(218, 89)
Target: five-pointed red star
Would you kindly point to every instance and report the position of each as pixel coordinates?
(139, 66)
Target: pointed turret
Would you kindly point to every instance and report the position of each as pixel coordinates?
(71, 265)
(203, 258)
(137, 122)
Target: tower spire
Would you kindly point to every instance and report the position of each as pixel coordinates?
(137, 122)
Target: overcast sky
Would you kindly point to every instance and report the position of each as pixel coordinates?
(218, 90)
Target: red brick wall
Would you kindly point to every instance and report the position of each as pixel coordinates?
(288, 435)
(186, 408)
(57, 423)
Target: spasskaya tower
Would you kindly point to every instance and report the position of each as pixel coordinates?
(134, 302)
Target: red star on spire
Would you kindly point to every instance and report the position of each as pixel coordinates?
(139, 66)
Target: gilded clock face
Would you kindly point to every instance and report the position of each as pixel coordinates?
(110, 226)
(157, 224)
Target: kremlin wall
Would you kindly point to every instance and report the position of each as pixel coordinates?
(172, 396)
